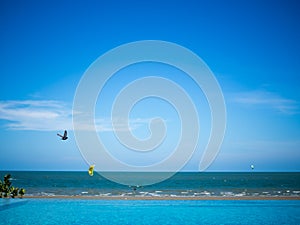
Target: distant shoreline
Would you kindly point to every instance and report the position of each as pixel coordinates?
(165, 197)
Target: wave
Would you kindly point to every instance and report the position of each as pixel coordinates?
(158, 193)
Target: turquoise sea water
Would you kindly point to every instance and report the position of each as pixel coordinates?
(181, 184)
(173, 212)
(79, 211)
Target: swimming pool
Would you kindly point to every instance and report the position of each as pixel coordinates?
(76, 211)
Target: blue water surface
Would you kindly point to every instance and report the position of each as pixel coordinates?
(50, 183)
(75, 211)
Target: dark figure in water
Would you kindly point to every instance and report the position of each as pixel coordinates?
(65, 137)
(134, 188)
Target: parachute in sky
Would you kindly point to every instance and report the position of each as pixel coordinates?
(91, 170)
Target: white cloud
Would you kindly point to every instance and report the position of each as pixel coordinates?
(35, 115)
(267, 99)
(48, 115)
(105, 124)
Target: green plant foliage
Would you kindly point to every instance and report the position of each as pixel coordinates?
(7, 190)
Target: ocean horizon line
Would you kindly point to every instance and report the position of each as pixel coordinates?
(185, 171)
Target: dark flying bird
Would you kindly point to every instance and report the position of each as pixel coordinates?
(65, 137)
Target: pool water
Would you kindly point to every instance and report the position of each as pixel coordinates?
(75, 211)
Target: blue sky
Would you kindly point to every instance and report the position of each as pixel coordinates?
(252, 47)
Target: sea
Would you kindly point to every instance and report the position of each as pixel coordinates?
(72, 211)
(182, 184)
